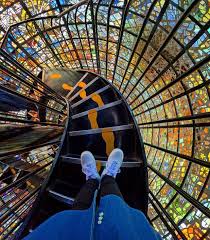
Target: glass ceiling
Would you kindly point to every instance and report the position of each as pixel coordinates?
(157, 54)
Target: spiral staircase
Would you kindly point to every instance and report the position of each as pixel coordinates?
(95, 75)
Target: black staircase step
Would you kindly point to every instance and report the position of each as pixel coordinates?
(87, 78)
(127, 140)
(109, 117)
(68, 179)
(60, 197)
(66, 186)
(108, 95)
(97, 109)
(100, 130)
(127, 163)
(89, 97)
(76, 87)
(90, 88)
(132, 184)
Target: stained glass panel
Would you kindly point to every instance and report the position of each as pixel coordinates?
(156, 53)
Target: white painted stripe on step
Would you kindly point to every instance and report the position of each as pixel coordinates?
(76, 85)
(90, 96)
(82, 89)
(109, 105)
(99, 130)
(61, 196)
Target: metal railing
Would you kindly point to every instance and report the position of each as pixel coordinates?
(32, 120)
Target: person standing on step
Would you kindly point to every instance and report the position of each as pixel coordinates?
(113, 219)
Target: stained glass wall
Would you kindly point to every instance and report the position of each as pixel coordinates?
(32, 120)
(157, 54)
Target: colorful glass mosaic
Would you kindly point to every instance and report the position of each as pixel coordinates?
(157, 54)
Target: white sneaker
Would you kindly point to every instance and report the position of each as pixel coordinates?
(114, 163)
(88, 163)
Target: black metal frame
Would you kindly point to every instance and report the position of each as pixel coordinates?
(175, 59)
(150, 38)
(149, 102)
(166, 41)
(193, 201)
(180, 77)
(55, 163)
(139, 38)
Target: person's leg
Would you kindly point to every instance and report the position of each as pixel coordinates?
(108, 183)
(85, 196)
(109, 186)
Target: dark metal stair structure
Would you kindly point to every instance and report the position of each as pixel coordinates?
(66, 178)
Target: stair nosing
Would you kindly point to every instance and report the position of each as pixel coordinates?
(82, 89)
(98, 157)
(102, 162)
(61, 195)
(100, 130)
(106, 106)
(89, 96)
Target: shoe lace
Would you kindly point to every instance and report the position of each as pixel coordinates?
(113, 166)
